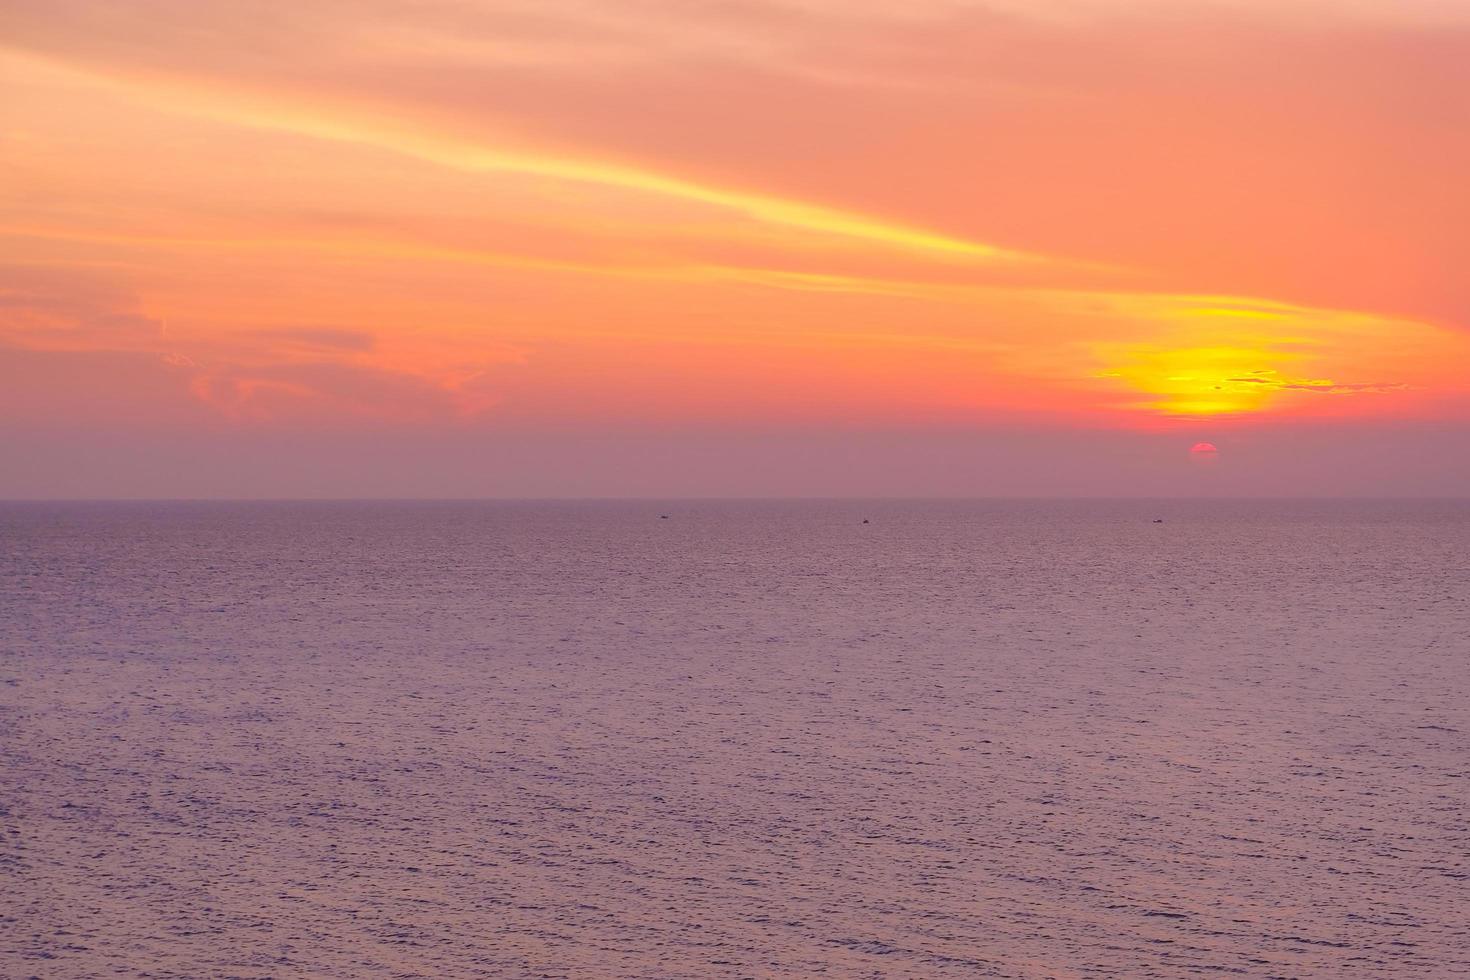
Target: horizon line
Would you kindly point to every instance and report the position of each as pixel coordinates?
(750, 498)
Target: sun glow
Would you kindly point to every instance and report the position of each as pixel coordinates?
(1200, 380)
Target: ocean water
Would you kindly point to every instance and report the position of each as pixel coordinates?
(748, 740)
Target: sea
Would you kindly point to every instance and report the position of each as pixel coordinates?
(708, 738)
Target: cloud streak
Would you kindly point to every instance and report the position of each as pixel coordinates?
(263, 111)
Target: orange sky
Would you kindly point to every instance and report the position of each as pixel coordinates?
(555, 216)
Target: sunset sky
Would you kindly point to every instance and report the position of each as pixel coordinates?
(586, 247)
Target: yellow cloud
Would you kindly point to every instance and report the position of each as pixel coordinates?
(350, 124)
